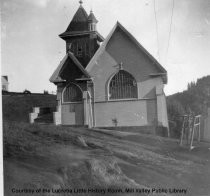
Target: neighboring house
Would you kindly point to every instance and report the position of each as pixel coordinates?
(106, 83)
(4, 83)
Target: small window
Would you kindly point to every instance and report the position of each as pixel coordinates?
(92, 27)
(72, 93)
(69, 47)
(79, 50)
(123, 86)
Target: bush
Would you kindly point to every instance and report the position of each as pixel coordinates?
(175, 111)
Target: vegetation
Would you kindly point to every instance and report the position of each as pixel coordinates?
(18, 107)
(25, 139)
(26, 91)
(195, 100)
(46, 92)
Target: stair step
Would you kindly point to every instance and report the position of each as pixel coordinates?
(45, 118)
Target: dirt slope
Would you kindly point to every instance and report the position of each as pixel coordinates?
(63, 158)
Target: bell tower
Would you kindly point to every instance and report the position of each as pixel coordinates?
(81, 36)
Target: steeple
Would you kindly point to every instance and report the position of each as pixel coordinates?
(92, 21)
(79, 21)
(81, 36)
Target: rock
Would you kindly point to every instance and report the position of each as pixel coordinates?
(81, 141)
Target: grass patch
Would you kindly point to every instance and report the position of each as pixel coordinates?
(24, 138)
(18, 107)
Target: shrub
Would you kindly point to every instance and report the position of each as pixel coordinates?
(175, 111)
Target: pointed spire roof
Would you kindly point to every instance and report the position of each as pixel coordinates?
(79, 24)
(79, 21)
(81, 15)
(92, 18)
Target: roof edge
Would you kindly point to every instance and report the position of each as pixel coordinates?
(55, 74)
(100, 49)
(141, 47)
(67, 34)
(103, 46)
(55, 78)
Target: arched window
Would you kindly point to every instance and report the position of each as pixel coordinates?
(123, 86)
(72, 93)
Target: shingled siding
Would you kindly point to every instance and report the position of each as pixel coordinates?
(89, 47)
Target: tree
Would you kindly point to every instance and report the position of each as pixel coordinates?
(46, 92)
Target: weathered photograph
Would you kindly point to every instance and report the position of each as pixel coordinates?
(108, 97)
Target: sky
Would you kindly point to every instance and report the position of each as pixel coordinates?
(31, 49)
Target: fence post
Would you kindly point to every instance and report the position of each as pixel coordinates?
(192, 133)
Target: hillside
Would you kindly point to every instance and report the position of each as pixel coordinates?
(18, 107)
(196, 98)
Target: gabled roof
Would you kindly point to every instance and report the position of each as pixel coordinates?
(55, 78)
(104, 44)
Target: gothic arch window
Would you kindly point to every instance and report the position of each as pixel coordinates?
(122, 86)
(72, 93)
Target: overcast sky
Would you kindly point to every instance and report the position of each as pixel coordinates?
(31, 48)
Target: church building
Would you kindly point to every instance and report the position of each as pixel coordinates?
(112, 82)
